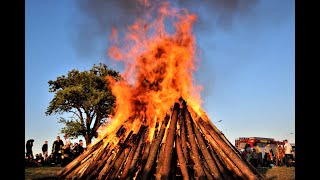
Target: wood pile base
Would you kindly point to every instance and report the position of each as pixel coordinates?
(184, 146)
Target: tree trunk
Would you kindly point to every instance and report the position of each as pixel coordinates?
(88, 140)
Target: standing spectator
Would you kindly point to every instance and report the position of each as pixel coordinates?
(45, 150)
(254, 159)
(80, 147)
(279, 155)
(57, 151)
(268, 157)
(246, 150)
(29, 145)
(249, 154)
(259, 153)
(74, 151)
(66, 153)
(66, 138)
(288, 153)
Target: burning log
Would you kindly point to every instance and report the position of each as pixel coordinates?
(100, 164)
(132, 157)
(223, 156)
(119, 162)
(226, 148)
(183, 137)
(194, 148)
(127, 154)
(154, 148)
(206, 170)
(220, 138)
(164, 161)
(209, 160)
(103, 173)
(182, 160)
(77, 160)
(225, 173)
(135, 158)
(144, 158)
(93, 162)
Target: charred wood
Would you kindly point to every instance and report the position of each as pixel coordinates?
(154, 147)
(194, 148)
(183, 136)
(230, 153)
(207, 156)
(181, 159)
(72, 165)
(164, 161)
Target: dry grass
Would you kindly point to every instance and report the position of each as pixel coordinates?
(48, 173)
(279, 173)
(41, 172)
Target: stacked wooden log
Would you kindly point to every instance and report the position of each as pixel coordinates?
(186, 145)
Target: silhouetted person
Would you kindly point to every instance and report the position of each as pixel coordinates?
(74, 151)
(45, 150)
(80, 147)
(57, 150)
(66, 153)
(29, 145)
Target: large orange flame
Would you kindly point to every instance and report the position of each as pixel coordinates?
(159, 56)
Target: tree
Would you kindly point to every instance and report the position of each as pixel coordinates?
(86, 96)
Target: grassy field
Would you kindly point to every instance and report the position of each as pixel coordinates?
(41, 172)
(279, 173)
(48, 173)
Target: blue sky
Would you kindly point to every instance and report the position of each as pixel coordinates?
(247, 69)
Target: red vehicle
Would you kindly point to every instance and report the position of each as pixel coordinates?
(261, 142)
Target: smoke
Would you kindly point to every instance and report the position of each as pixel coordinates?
(213, 16)
(218, 13)
(91, 30)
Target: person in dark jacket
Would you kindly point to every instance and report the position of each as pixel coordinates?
(66, 153)
(80, 147)
(45, 150)
(74, 152)
(29, 145)
(57, 151)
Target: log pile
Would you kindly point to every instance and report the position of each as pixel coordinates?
(185, 145)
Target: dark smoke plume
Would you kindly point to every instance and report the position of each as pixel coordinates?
(99, 16)
(220, 12)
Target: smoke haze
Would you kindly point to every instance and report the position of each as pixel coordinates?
(93, 29)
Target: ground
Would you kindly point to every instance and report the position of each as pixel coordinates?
(47, 173)
(279, 173)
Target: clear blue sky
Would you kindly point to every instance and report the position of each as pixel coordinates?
(247, 64)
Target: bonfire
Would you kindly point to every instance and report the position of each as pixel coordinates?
(159, 130)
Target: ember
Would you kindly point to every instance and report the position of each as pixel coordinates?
(154, 133)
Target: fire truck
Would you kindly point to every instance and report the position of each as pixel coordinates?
(261, 142)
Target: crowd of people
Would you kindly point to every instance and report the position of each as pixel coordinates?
(61, 153)
(281, 155)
